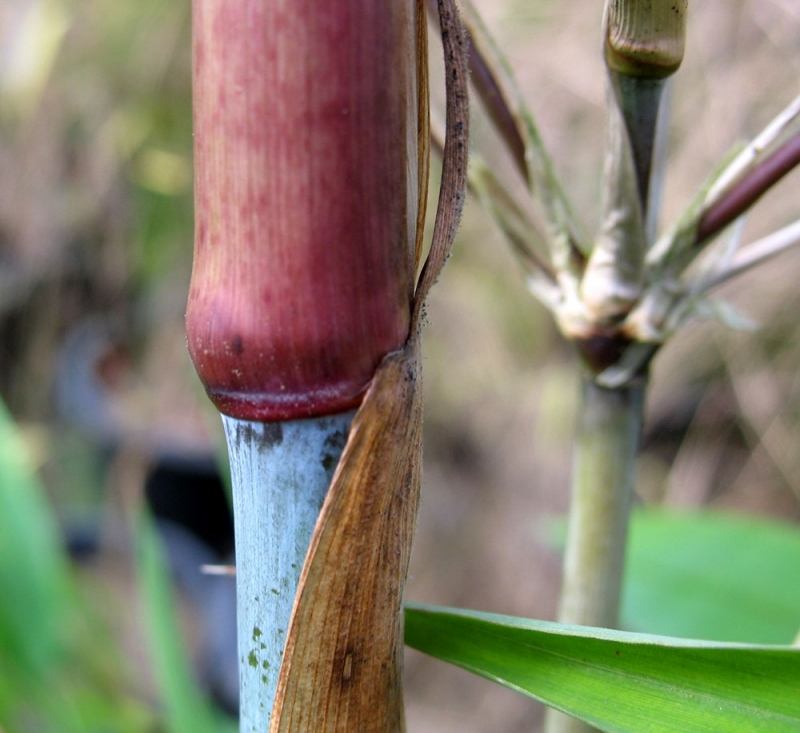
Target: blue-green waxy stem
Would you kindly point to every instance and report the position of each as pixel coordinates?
(280, 473)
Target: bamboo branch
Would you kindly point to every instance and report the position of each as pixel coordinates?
(755, 254)
(745, 192)
(746, 175)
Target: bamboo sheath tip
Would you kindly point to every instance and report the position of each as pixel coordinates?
(645, 39)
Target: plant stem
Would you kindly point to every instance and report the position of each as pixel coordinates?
(280, 473)
(602, 486)
(639, 101)
(607, 441)
(745, 192)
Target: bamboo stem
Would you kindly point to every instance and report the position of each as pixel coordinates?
(606, 445)
(640, 101)
(280, 473)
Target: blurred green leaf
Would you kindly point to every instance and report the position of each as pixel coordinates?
(54, 659)
(185, 708)
(620, 681)
(34, 574)
(713, 576)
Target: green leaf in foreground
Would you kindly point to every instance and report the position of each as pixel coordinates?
(620, 681)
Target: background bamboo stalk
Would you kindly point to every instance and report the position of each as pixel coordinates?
(644, 44)
(280, 473)
(604, 463)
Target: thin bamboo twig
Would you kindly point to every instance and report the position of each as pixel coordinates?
(780, 128)
(743, 177)
(485, 76)
(743, 194)
(757, 252)
(522, 232)
(492, 97)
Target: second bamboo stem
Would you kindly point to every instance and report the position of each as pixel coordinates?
(604, 463)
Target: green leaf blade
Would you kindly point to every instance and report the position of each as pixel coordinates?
(619, 681)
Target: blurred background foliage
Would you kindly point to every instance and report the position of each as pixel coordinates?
(95, 256)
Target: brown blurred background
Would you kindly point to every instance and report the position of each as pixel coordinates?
(95, 255)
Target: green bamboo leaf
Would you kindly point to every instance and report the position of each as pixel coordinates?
(713, 576)
(185, 708)
(620, 681)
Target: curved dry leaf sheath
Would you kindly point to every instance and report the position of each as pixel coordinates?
(452, 190)
(342, 662)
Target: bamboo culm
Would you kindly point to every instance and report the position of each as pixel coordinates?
(280, 473)
(604, 463)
